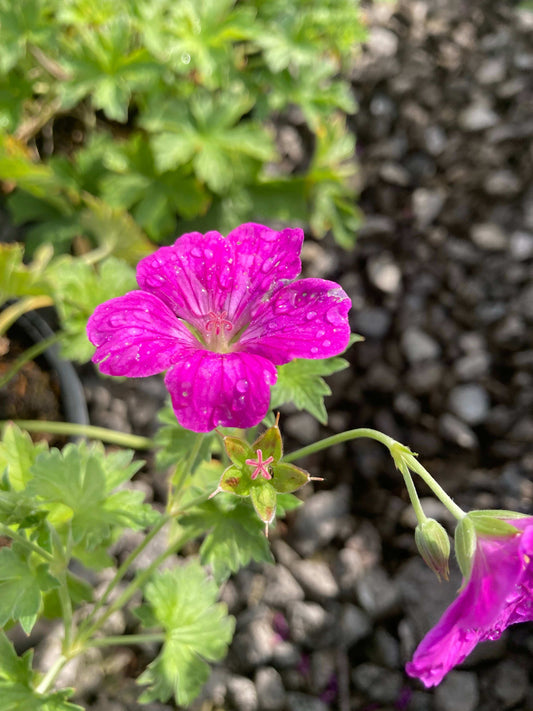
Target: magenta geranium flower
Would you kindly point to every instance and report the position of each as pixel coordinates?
(498, 593)
(218, 314)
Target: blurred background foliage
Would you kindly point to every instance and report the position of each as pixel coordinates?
(126, 122)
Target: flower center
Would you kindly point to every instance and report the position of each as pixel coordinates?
(261, 467)
(218, 322)
(217, 326)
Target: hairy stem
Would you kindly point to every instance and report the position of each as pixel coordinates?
(48, 679)
(415, 466)
(123, 569)
(10, 314)
(413, 494)
(337, 439)
(400, 454)
(124, 639)
(132, 588)
(16, 536)
(70, 428)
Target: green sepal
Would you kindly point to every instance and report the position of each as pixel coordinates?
(270, 443)
(496, 513)
(401, 455)
(465, 545)
(238, 451)
(235, 481)
(263, 497)
(489, 525)
(287, 478)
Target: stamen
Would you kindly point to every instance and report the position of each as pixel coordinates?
(218, 322)
(261, 467)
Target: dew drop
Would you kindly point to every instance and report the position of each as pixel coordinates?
(320, 333)
(281, 307)
(326, 343)
(208, 253)
(196, 252)
(310, 315)
(332, 316)
(314, 349)
(185, 58)
(242, 385)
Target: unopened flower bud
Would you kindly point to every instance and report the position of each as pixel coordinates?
(433, 545)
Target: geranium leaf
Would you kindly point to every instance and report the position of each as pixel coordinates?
(234, 535)
(21, 586)
(79, 289)
(174, 442)
(301, 382)
(76, 486)
(16, 680)
(17, 453)
(197, 630)
(18, 279)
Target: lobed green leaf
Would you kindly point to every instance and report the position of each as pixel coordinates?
(197, 630)
(301, 382)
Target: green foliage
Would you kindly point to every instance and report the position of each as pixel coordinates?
(16, 680)
(234, 535)
(174, 443)
(184, 95)
(17, 455)
(21, 585)
(197, 630)
(17, 279)
(77, 488)
(78, 290)
(301, 382)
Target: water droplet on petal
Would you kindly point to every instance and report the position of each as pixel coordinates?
(320, 333)
(242, 385)
(310, 315)
(326, 343)
(196, 252)
(208, 253)
(333, 316)
(314, 349)
(281, 307)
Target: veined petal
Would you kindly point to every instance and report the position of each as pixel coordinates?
(262, 259)
(220, 389)
(209, 274)
(305, 319)
(137, 335)
(185, 275)
(497, 594)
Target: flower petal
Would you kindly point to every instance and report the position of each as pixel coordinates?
(185, 275)
(220, 389)
(137, 335)
(207, 273)
(262, 258)
(485, 607)
(305, 319)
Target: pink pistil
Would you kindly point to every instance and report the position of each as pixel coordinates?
(218, 322)
(261, 467)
